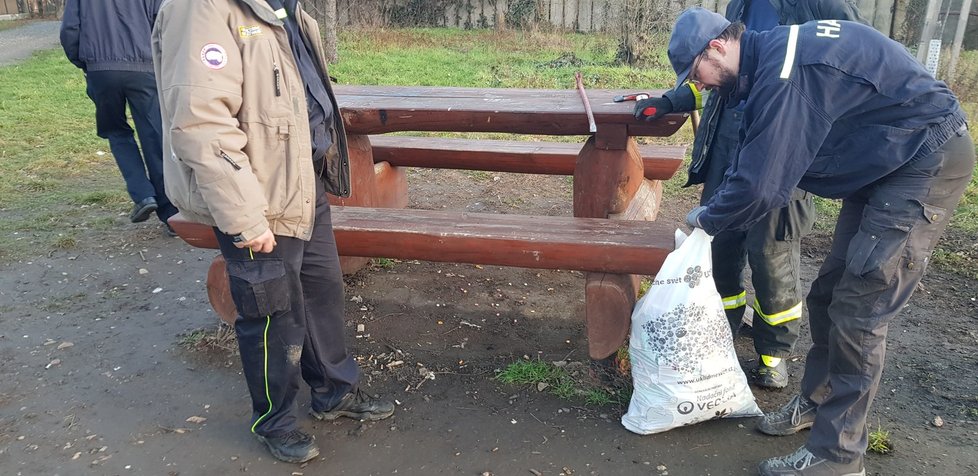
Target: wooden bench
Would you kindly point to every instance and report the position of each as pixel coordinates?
(617, 189)
(547, 158)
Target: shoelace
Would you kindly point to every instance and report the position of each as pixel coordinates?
(799, 460)
(295, 436)
(796, 412)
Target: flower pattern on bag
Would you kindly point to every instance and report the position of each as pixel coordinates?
(693, 275)
(685, 336)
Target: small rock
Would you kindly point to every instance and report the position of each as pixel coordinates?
(65, 345)
(157, 290)
(143, 271)
(361, 328)
(53, 363)
(196, 419)
(938, 421)
(542, 386)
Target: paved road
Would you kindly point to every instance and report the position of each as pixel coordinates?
(19, 43)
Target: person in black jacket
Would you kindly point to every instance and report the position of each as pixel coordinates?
(772, 247)
(109, 41)
(823, 114)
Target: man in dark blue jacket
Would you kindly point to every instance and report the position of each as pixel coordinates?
(772, 246)
(823, 114)
(109, 41)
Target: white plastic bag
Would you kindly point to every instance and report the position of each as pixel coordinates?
(684, 366)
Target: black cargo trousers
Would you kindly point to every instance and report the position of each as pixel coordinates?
(772, 248)
(882, 245)
(290, 323)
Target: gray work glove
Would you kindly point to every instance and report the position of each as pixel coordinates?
(693, 217)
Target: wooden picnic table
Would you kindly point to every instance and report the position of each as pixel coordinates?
(610, 182)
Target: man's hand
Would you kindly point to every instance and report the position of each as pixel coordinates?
(264, 243)
(659, 107)
(693, 217)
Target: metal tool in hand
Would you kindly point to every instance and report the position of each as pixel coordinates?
(587, 104)
(649, 111)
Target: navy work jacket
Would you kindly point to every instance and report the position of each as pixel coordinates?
(832, 106)
(109, 35)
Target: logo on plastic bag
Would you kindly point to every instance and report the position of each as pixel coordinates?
(693, 276)
(686, 335)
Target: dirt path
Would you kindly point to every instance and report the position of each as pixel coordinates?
(96, 380)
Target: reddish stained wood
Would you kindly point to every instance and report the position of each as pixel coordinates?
(584, 244)
(605, 180)
(219, 291)
(549, 158)
(507, 240)
(609, 300)
(378, 109)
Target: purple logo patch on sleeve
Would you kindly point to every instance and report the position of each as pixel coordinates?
(213, 56)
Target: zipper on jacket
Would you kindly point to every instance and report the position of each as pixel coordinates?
(231, 161)
(277, 77)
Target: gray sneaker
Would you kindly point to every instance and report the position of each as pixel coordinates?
(803, 463)
(797, 415)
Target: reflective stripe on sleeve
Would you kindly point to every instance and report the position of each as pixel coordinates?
(789, 55)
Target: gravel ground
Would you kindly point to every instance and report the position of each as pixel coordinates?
(19, 43)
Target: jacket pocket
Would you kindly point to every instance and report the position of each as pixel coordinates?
(259, 288)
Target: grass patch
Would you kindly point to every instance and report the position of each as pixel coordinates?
(545, 376)
(880, 442)
(383, 263)
(221, 338)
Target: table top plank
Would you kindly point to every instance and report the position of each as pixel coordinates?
(380, 109)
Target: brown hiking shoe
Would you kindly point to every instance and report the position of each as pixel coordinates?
(359, 406)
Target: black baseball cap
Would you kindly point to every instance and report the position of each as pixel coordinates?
(694, 29)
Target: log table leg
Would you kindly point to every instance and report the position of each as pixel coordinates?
(372, 185)
(609, 183)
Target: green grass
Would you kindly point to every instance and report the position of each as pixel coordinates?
(559, 382)
(57, 178)
(880, 442)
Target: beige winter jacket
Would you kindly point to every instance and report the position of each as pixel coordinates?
(235, 120)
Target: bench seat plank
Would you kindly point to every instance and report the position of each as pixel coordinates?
(583, 244)
(548, 158)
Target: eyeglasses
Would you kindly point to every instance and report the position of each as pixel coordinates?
(692, 78)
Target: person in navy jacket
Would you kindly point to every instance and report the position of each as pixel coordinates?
(109, 41)
(771, 247)
(823, 113)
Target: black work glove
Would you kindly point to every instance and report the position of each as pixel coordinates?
(652, 108)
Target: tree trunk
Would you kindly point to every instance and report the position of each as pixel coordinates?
(329, 30)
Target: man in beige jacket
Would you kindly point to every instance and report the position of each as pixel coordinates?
(255, 141)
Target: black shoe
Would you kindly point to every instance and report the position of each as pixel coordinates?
(169, 231)
(772, 377)
(359, 406)
(293, 447)
(142, 210)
